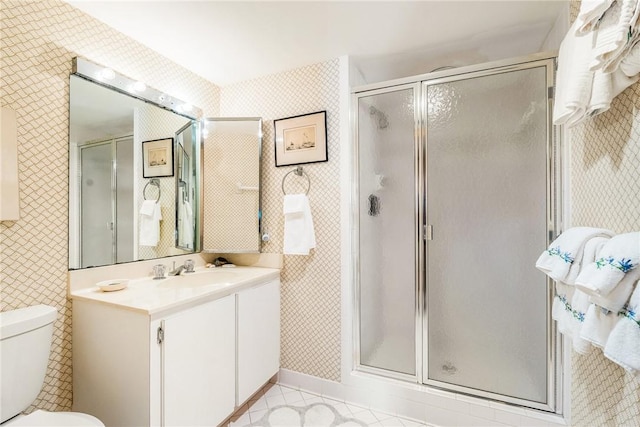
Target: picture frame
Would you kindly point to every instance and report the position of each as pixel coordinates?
(157, 158)
(301, 139)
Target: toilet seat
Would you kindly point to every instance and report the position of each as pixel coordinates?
(41, 418)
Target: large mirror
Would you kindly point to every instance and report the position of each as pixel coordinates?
(134, 171)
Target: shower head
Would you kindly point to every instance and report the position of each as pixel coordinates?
(381, 118)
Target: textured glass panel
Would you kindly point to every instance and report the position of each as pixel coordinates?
(124, 200)
(387, 209)
(486, 200)
(97, 222)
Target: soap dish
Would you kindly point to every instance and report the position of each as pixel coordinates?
(112, 285)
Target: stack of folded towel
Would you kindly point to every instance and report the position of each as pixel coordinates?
(564, 258)
(610, 278)
(563, 261)
(596, 274)
(599, 58)
(623, 345)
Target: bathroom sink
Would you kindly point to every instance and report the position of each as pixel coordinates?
(204, 278)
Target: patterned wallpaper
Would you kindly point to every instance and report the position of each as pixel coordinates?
(605, 192)
(37, 42)
(310, 284)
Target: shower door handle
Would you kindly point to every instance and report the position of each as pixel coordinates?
(428, 232)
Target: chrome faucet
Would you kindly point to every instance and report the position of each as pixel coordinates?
(176, 271)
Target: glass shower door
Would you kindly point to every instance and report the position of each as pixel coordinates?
(387, 233)
(106, 202)
(97, 226)
(486, 180)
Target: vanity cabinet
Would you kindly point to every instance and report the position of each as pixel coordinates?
(180, 366)
(198, 364)
(258, 338)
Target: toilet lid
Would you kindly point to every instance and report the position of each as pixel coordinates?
(56, 419)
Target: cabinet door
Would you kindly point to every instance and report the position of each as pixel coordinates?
(198, 365)
(258, 337)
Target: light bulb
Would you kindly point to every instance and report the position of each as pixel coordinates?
(139, 87)
(108, 74)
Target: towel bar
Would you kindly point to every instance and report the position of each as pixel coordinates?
(156, 182)
(300, 172)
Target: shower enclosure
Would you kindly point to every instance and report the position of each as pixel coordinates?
(106, 202)
(456, 198)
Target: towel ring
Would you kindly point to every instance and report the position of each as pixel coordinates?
(156, 182)
(300, 172)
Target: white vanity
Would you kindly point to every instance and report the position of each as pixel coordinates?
(186, 350)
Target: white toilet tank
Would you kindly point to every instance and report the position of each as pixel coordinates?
(25, 343)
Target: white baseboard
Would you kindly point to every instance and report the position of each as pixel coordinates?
(420, 403)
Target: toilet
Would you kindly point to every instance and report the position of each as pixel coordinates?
(25, 343)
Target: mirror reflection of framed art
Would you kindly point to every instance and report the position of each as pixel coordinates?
(157, 158)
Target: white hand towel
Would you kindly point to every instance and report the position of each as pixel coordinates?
(590, 12)
(561, 310)
(299, 236)
(613, 34)
(557, 260)
(607, 86)
(149, 223)
(589, 253)
(619, 296)
(574, 79)
(579, 306)
(630, 64)
(618, 257)
(148, 207)
(623, 345)
(187, 225)
(598, 324)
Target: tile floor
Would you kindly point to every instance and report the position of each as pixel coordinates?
(273, 395)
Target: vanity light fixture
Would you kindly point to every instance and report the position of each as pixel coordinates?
(108, 77)
(136, 87)
(139, 87)
(186, 107)
(107, 74)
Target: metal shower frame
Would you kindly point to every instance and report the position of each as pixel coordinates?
(419, 85)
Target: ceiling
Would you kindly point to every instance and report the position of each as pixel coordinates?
(230, 41)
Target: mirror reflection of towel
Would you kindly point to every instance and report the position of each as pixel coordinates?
(150, 216)
(299, 236)
(186, 225)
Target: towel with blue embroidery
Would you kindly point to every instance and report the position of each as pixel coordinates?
(562, 261)
(618, 258)
(623, 345)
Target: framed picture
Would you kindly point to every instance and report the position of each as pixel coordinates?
(157, 158)
(301, 139)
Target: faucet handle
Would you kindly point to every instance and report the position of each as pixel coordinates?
(189, 265)
(158, 271)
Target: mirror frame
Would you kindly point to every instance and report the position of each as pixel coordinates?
(197, 164)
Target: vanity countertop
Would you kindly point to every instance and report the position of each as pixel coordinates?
(173, 293)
